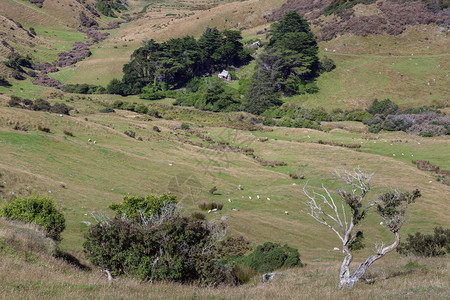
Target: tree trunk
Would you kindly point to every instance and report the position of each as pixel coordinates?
(348, 281)
(344, 274)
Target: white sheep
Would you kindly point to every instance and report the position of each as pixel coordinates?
(268, 198)
(89, 140)
(250, 197)
(209, 211)
(336, 249)
(229, 200)
(257, 196)
(95, 142)
(286, 212)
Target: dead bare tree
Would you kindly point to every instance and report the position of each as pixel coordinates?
(343, 218)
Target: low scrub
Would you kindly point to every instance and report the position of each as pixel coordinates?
(36, 210)
(149, 239)
(419, 244)
(270, 257)
(210, 206)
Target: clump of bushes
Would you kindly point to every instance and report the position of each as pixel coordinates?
(68, 133)
(43, 129)
(198, 215)
(83, 88)
(210, 206)
(149, 239)
(130, 133)
(38, 210)
(38, 105)
(271, 256)
(427, 245)
(424, 121)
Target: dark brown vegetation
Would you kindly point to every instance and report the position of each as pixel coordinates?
(331, 143)
(425, 165)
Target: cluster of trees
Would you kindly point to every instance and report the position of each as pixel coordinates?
(107, 7)
(170, 65)
(17, 62)
(83, 88)
(288, 64)
(424, 121)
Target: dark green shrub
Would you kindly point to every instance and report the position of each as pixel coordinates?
(41, 105)
(68, 133)
(106, 110)
(270, 256)
(4, 82)
(429, 245)
(130, 133)
(14, 101)
(198, 215)
(17, 75)
(327, 64)
(60, 108)
(210, 206)
(158, 246)
(43, 129)
(154, 113)
(141, 108)
(383, 108)
(38, 210)
(115, 86)
(152, 95)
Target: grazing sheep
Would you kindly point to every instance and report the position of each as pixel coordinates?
(209, 211)
(381, 223)
(240, 187)
(257, 196)
(95, 142)
(89, 140)
(336, 249)
(214, 209)
(250, 197)
(286, 212)
(229, 200)
(268, 198)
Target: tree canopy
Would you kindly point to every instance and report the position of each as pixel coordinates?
(172, 64)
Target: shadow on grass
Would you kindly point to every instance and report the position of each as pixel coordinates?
(72, 260)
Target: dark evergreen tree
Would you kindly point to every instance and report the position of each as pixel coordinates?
(261, 95)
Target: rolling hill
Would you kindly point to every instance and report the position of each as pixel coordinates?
(83, 176)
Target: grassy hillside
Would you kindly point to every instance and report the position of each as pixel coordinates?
(86, 177)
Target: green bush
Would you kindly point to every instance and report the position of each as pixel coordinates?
(270, 256)
(37, 210)
(148, 205)
(130, 133)
(141, 108)
(327, 64)
(158, 244)
(384, 108)
(429, 245)
(106, 110)
(60, 108)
